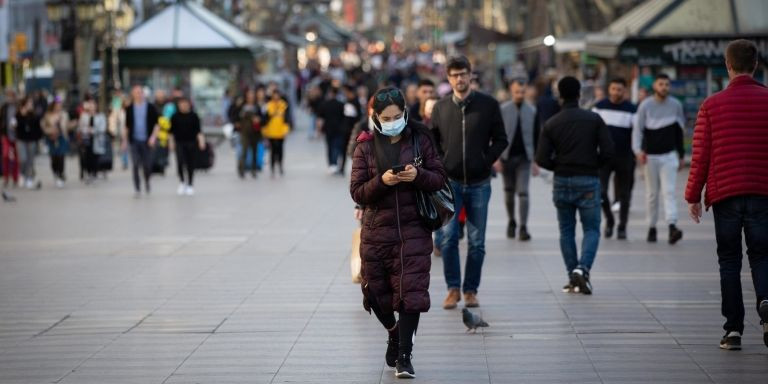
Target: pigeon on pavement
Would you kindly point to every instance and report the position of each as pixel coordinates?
(472, 321)
(8, 198)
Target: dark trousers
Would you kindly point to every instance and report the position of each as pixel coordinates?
(250, 142)
(87, 159)
(185, 161)
(408, 324)
(623, 169)
(141, 155)
(57, 166)
(276, 153)
(517, 177)
(335, 146)
(732, 216)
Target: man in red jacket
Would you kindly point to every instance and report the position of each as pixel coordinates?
(730, 157)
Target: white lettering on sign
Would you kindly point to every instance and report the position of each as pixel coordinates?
(687, 51)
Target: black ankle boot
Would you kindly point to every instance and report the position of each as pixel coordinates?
(393, 347)
(511, 229)
(404, 369)
(674, 234)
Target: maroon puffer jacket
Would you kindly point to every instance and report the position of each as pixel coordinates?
(395, 247)
(730, 144)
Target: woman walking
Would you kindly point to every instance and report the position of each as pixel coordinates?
(55, 127)
(92, 124)
(276, 129)
(396, 246)
(187, 138)
(28, 133)
(249, 127)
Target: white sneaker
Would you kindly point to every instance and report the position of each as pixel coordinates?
(29, 184)
(332, 169)
(615, 207)
(189, 191)
(181, 189)
(59, 183)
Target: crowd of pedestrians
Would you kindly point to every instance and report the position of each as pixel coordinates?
(423, 131)
(145, 131)
(475, 137)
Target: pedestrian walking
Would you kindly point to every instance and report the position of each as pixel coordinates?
(516, 163)
(575, 144)
(618, 114)
(353, 112)
(28, 133)
(470, 136)
(657, 141)
(276, 129)
(250, 122)
(424, 92)
(10, 156)
(187, 139)
(331, 121)
(730, 158)
(89, 126)
(55, 125)
(141, 128)
(396, 245)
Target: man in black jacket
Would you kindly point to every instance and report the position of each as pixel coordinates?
(470, 136)
(141, 131)
(574, 144)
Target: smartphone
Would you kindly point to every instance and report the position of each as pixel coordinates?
(398, 168)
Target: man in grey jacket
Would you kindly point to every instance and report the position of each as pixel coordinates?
(515, 164)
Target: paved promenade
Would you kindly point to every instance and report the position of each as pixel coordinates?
(248, 282)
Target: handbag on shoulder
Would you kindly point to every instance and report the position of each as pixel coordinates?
(435, 208)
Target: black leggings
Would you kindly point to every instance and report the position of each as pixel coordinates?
(408, 324)
(623, 169)
(185, 160)
(276, 153)
(57, 165)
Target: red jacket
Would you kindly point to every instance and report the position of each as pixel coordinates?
(730, 144)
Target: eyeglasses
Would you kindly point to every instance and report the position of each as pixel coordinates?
(457, 75)
(392, 94)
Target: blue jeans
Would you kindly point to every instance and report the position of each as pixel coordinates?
(474, 198)
(732, 216)
(582, 194)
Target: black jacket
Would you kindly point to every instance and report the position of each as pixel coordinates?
(185, 127)
(470, 136)
(152, 117)
(574, 142)
(28, 127)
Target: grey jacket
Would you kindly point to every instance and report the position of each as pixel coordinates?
(509, 113)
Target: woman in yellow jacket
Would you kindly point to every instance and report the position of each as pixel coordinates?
(277, 128)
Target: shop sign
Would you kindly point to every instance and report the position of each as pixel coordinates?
(687, 51)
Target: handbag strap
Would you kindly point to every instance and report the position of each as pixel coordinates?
(417, 160)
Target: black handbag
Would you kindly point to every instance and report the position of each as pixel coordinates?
(435, 208)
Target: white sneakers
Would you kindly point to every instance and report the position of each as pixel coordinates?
(184, 189)
(59, 183)
(32, 184)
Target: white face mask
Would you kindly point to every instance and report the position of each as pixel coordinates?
(392, 128)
